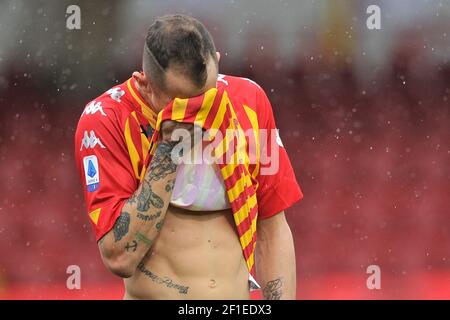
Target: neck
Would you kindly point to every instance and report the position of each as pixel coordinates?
(143, 94)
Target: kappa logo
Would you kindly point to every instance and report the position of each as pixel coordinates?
(221, 77)
(90, 141)
(93, 108)
(116, 93)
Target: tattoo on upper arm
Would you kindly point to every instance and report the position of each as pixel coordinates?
(273, 289)
(121, 226)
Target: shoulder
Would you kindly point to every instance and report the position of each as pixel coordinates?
(247, 92)
(244, 89)
(109, 110)
(241, 83)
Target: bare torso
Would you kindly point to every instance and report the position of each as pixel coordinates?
(197, 255)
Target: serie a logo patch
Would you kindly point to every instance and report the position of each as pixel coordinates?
(91, 173)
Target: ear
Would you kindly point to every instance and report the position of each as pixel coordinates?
(141, 80)
(218, 56)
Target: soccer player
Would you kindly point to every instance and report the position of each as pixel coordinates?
(173, 231)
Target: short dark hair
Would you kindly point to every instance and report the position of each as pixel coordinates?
(181, 41)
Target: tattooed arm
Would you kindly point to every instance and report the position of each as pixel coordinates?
(275, 258)
(142, 216)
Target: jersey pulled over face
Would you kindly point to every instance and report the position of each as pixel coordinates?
(112, 144)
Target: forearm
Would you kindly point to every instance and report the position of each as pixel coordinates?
(275, 259)
(142, 215)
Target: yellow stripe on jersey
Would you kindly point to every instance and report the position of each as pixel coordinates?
(251, 260)
(241, 214)
(247, 237)
(239, 186)
(207, 104)
(159, 119)
(144, 143)
(134, 155)
(179, 108)
(146, 110)
(252, 116)
(218, 119)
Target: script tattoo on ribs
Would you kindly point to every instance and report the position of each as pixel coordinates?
(272, 290)
(165, 280)
(121, 226)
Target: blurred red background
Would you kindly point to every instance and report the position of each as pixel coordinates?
(368, 139)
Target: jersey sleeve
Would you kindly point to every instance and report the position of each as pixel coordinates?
(104, 166)
(278, 188)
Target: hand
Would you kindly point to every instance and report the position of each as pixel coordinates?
(169, 126)
(195, 133)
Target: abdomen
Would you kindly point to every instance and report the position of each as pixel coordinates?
(197, 255)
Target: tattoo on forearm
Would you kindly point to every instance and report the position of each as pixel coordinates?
(132, 199)
(131, 247)
(162, 164)
(165, 280)
(142, 238)
(273, 289)
(159, 225)
(147, 197)
(121, 226)
(148, 217)
(170, 184)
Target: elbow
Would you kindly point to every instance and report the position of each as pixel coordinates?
(121, 266)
